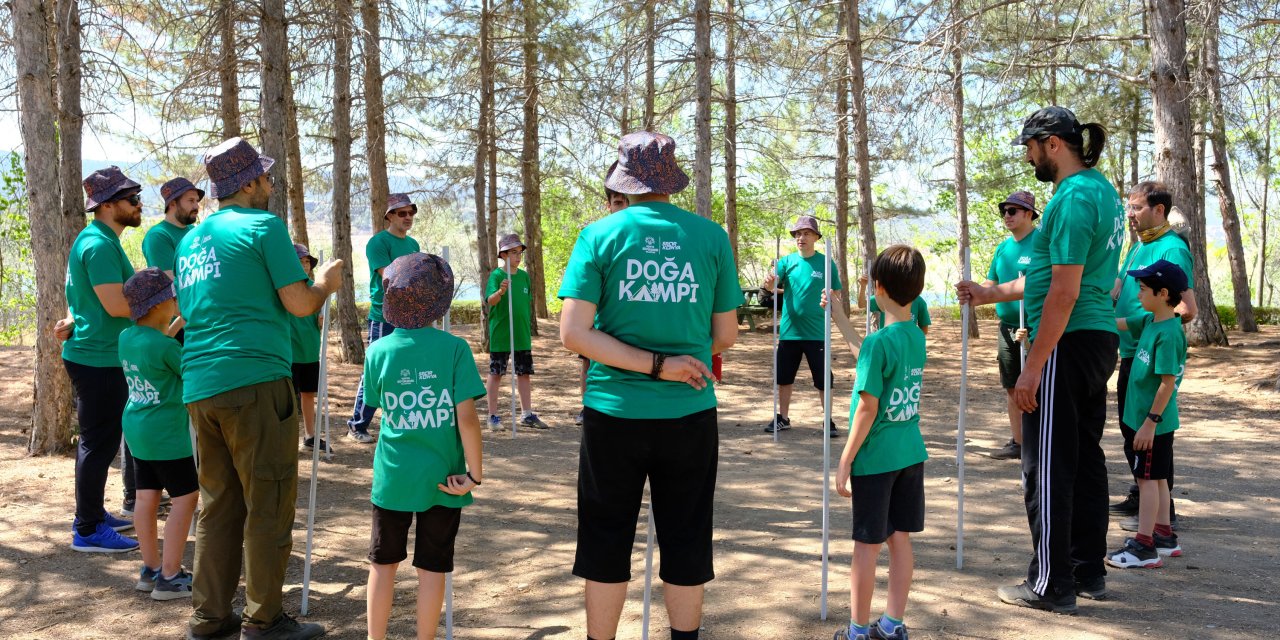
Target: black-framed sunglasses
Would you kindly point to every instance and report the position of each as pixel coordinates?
(1009, 211)
(135, 199)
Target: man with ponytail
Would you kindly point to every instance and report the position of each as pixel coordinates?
(1063, 387)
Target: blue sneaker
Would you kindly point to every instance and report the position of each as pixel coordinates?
(104, 539)
(845, 634)
(178, 586)
(118, 524)
(878, 631)
(495, 423)
(147, 578)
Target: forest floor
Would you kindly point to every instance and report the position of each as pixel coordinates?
(516, 545)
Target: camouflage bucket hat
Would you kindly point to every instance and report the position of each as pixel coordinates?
(419, 289)
(146, 289)
(104, 185)
(647, 164)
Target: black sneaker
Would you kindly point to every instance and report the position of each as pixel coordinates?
(309, 444)
(1135, 555)
(284, 628)
(228, 628)
(1095, 589)
(779, 423)
(835, 433)
(1126, 507)
(1010, 451)
(1021, 595)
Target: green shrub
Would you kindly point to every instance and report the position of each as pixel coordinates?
(1227, 316)
(1263, 315)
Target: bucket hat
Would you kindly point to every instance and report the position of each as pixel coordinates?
(173, 189)
(104, 185)
(232, 165)
(419, 289)
(510, 241)
(146, 289)
(303, 252)
(1022, 200)
(398, 200)
(805, 222)
(647, 164)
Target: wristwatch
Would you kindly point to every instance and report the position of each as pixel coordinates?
(1155, 417)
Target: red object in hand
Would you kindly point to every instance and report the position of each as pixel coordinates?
(717, 366)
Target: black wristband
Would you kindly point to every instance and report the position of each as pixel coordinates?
(658, 359)
(473, 478)
(1155, 417)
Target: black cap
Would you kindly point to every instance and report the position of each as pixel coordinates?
(1164, 274)
(1049, 121)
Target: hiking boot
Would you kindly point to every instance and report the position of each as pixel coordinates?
(228, 628)
(843, 634)
(361, 436)
(309, 444)
(179, 586)
(779, 423)
(1021, 595)
(1095, 589)
(578, 418)
(1134, 555)
(284, 628)
(1010, 451)
(1168, 546)
(1126, 507)
(104, 539)
(878, 632)
(495, 423)
(118, 524)
(1131, 523)
(532, 421)
(835, 433)
(147, 578)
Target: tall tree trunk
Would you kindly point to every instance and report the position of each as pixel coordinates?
(274, 39)
(1170, 84)
(731, 128)
(861, 146)
(348, 321)
(51, 428)
(375, 116)
(842, 165)
(228, 70)
(484, 247)
(650, 64)
(70, 118)
(957, 128)
(1211, 73)
(1133, 151)
(1266, 189)
(530, 165)
(293, 144)
(702, 115)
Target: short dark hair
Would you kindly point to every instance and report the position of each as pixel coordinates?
(900, 270)
(1154, 284)
(1156, 193)
(610, 193)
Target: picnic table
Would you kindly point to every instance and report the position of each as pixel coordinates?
(752, 308)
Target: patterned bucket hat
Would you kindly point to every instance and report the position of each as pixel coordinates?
(1022, 200)
(647, 164)
(398, 200)
(173, 189)
(104, 185)
(232, 165)
(419, 289)
(303, 252)
(805, 222)
(509, 241)
(146, 289)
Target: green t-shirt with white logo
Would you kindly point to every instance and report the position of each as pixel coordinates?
(229, 271)
(656, 274)
(96, 259)
(383, 249)
(1082, 224)
(1162, 350)
(1012, 257)
(499, 330)
(160, 245)
(417, 377)
(919, 312)
(801, 280)
(1169, 246)
(891, 368)
(304, 336)
(155, 420)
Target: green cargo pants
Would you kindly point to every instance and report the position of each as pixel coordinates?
(247, 440)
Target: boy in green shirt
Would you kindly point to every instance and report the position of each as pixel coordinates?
(882, 466)
(1158, 365)
(508, 317)
(304, 335)
(428, 457)
(156, 430)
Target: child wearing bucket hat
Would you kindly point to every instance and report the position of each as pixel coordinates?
(510, 280)
(156, 430)
(428, 457)
(304, 335)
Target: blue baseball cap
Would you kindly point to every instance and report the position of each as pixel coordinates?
(1163, 274)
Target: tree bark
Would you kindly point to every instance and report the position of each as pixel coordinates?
(861, 146)
(1211, 73)
(530, 164)
(293, 144)
(275, 61)
(702, 115)
(1133, 152)
(842, 165)
(352, 345)
(957, 128)
(731, 129)
(484, 248)
(70, 118)
(228, 76)
(1170, 84)
(375, 114)
(1266, 189)
(650, 71)
(51, 429)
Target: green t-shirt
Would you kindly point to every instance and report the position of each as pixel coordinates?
(1169, 246)
(1012, 257)
(229, 271)
(304, 335)
(155, 420)
(383, 249)
(417, 377)
(499, 330)
(801, 280)
(891, 368)
(96, 259)
(656, 274)
(919, 312)
(160, 245)
(1162, 350)
(1082, 224)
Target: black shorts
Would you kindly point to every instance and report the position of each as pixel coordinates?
(1155, 463)
(1009, 356)
(306, 377)
(432, 546)
(884, 503)
(498, 363)
(789, 353)
(679, 457)
(178, 477)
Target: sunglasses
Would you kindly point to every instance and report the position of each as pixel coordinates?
(406, 214)
(1009, 211)
(135, 199)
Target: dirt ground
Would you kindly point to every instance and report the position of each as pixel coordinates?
(516, 546)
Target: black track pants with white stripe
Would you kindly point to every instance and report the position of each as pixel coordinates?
(1063, 468)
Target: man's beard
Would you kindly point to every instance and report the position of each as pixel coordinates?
(1046, 170)
(130, 218)
(189, 217)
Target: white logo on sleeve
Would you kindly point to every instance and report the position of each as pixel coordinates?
(654, 281)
